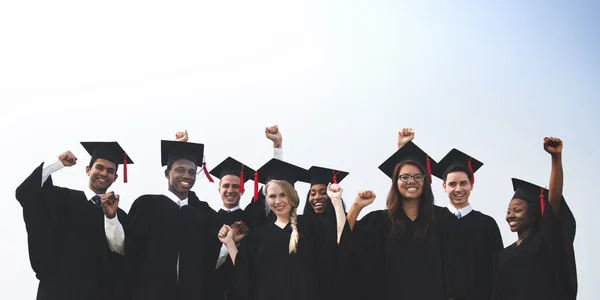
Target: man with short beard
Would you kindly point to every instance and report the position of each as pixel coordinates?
(172, 243)
(76, 237)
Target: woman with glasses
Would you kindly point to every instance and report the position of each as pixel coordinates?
(397, 252)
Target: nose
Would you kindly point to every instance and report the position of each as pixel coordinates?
(459, 188)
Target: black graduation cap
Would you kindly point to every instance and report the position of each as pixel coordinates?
(410, 151)
(110, 151)
(174, 150)
(320, 175)
(231, 166)
(276, 169)
(457, 157)
(533, 194)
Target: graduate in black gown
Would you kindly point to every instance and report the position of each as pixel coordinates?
(76, 237)
(318, 204)
(398, 251)
(171, 245)
(541, 263)
(470, 239)
(232, 175)
(282, 259)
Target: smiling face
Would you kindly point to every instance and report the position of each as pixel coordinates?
(318, 198)
(102, 174)
(518, 215)
(458, 188)
(278, 200)
(229, 188)
(408, 187)
(182, 176)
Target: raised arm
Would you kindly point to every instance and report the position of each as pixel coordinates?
(362, 200)
(272, 133)
(555, 191)
(334, 192)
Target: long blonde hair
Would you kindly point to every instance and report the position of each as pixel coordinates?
(294, 200)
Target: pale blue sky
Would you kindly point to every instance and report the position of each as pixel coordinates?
(338, 77)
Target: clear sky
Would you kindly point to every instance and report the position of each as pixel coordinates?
(340, 78)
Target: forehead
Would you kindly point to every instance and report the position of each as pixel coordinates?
(183, 163)
(517, 202)
(317, 187)
(105, 163)
(230, 179)
(409, 168)
(457, 176)
(274, 188)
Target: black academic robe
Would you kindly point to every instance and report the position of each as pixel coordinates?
(470, 248)
(220, 283)
(264, 269)
(68, 249)
(255, 212)
(543, 265)
(403, 268)
(343, 277)
(161, 233)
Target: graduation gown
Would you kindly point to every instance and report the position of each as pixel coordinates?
(342, 275)
(255, 212)
(220, 283)
(543, 265)
(161, 234)
(470, 248)
(400, 269)
(264, 269)
(68, 249)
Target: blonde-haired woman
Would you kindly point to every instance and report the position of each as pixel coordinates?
(281, 260)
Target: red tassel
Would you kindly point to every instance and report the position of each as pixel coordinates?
(255, 186)
(242, 180)
(334, 176)
(206, 173)
(542, 202)
(428, 169)
(472, 173)
(125, 167)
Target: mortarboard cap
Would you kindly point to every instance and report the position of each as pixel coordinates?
(174, 150)
(457, 157)
(530, 192)
(411, 152)
(231, 166)
(110, 151)
(320, 175)
(276, 169)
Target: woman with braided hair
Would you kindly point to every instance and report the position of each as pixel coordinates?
(282, 260)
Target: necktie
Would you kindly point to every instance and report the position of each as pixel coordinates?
(96, 200)
(458, 214)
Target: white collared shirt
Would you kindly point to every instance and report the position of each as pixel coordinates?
(463, 211)
(176, 199)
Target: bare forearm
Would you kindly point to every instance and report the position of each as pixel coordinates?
(339, 217)
(555, 190)
(233, 250)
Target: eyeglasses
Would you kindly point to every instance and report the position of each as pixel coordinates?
(407, 178)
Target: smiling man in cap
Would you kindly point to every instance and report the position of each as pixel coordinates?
(76, 237)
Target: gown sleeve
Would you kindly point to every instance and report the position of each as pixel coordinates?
(243, 270)
(41, 214)
(559, 235)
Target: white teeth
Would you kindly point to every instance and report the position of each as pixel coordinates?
(411, 189)
(318, 204)
(185, 184)
(511, 223)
